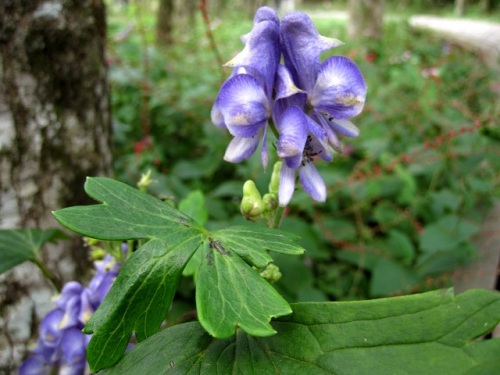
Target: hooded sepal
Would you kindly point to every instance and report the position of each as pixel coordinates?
(340, 88)
(302, 46)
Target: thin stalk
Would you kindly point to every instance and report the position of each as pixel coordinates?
(48, 275)
(277, 218)
(210, 36)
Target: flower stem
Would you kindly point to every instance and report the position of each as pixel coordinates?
(277, 218)
(48, 275)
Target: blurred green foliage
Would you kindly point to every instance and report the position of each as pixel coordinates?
(405, 198)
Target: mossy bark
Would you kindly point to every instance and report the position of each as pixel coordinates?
(54, 131)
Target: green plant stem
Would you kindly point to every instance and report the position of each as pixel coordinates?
(48, 275)
(277, 218)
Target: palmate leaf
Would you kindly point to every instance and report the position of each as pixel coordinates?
(224, 278)
(429, 333)
(20, 245)
(143, 291)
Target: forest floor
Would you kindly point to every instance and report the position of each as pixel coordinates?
(479, 36)
(482, 37)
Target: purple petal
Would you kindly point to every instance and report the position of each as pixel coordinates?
(72, 311)
(266, 14)
(243, 105)
(216, 116)
(344, 127)
(261, 53)
(70, 290)
(103, 288)
(34, 365)
(316, 129)
(86, 306)
(293, 133)
(73, 346)
(284, 85)
(72, 370)
(263, 153)
(263, 14)
(294, 161)
(328, 131)
(50, 332)
(302, 46)
(48, 353)
(241, 148)
(321, 148)
(312, 182)
(287, 185)
(107, 264)
(340, 89)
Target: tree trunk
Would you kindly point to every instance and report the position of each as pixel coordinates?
(365, 19)
(460, 7)
(164, 23)
(486, 6)
(185, 16)
(54, 131)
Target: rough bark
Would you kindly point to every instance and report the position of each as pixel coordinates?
(365, 19)
(54, 131)
(164, 23)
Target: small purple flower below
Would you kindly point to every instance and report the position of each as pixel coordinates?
(61, 347)
(309, 102)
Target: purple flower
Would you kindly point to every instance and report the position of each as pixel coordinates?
(309, 101)
(61, 344)
(244, 103)
(331, 92)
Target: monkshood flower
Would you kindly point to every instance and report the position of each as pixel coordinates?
(310, 102)
(309, 122)
(62, 346)
(335, 89)
(244, 103)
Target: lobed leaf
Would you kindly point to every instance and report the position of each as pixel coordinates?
(229, 291)
(20, 245)
(138, 300)
(424, 334)
(125, 213)
(251, 243)
(230, 294)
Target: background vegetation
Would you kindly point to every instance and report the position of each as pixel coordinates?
(405, 198)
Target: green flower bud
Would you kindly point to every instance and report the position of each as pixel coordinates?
(252, 205)
(270, 202)
(97, 253)
(271, 273)
(275, 178)
(145, 181)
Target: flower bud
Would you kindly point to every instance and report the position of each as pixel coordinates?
(270, 202)
(271, 273)
(275, 178)
(252, 205)
(145, 181)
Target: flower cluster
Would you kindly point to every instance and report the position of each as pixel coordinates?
(309, 102)
(62, 345)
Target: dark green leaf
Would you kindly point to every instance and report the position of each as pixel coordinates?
(194, 206)
(251, 243)
(20, 245)
(389, 277)
(139, 299)
(400, 246)
(425, 334)
(125, 213)
(446, 233)
(229, 293)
